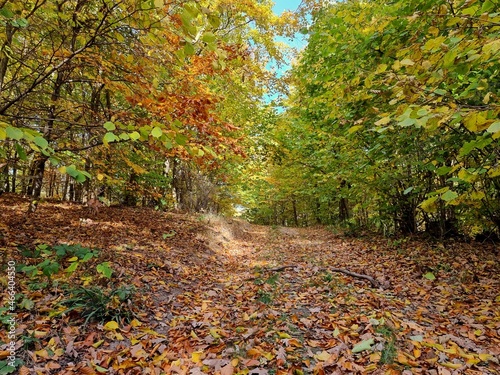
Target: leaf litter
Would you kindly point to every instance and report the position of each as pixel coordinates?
(221, 296)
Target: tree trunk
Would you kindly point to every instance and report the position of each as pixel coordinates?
(295, 215)
(36, 176)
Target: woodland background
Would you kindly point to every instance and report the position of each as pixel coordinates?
(388, 119)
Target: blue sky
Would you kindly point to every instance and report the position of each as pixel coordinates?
(281, 5)
(297, 42)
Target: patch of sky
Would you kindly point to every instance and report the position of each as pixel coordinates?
(297, 42)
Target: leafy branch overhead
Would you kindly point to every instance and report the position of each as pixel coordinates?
(86, 80)
(392, 122)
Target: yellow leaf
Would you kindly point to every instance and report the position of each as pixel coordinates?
(268, 355)
(371, 367)
(383, 121)
(194, 335)
(159, 359)
(434, 43)
(477, 195)
(476, 121)
(235, 362)
(284, 335)
(254, 352)
(381, 68)
(135, 323)
(433, 31)
(196, 356)
(494, 172)
(97, 344)
(407, 62)
(452, 350)
(454, 366)
(473, 361)
(100, 176)
(39, 334)
(111, 326)
(214, 333)
(354, 129)
(42, 353)
(73, 259)
(323, 356)
(485, 357)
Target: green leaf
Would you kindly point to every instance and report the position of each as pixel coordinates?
(71, 170)
(169, 235)
(6, 369)
(186, 18)
(14, 133)
(157, 132)
(214, 20)
(41, 142)
(449, 58)
(109, 126)
(104, 269)
(409, 190)
(449, 196)
(429, 276)
(20, 152)
(135, 136)
(6, 12)
(495, 127)
(364, 345)
(209, 37)
(87, 257)
(441, 171)
(109, 137)
(26, 304)
(181, 139)
(189, 49)
(487, 6)
(72, 267)
(407, 122)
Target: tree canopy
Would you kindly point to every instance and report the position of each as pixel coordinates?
(392, 120)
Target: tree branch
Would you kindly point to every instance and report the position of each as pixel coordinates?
(372, 281)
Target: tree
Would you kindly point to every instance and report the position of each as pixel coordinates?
(394, 116)
(93, 85)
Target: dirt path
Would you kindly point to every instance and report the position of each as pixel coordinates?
(208, 302)
(305, 318)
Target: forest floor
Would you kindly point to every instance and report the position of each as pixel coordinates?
(204, 295)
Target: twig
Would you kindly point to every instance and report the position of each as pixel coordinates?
(374, 282)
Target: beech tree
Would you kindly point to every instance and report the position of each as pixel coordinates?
(118, 90)
(393, 116)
